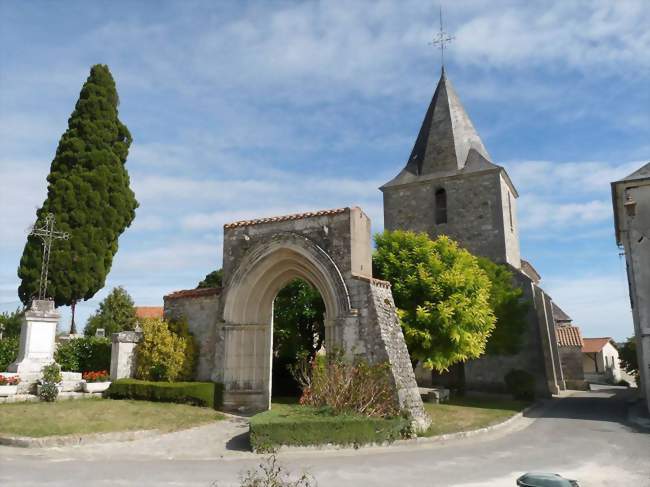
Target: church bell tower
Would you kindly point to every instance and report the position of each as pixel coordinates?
(451, 187)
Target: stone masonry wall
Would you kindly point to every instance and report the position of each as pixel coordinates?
(487, 373)
(474, 212)
(200, 312)
(571, 358)
(383, 341)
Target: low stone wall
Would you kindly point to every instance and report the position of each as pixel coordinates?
(200, 308)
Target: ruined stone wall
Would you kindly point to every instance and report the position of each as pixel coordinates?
(381, 338)
(475, 215)
(201, 314)
(343, 234)
(571, 358)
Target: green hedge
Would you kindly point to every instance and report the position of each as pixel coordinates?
(207, 394)
(520, 384)
(303, 426)
(84, 354)
(8, 351)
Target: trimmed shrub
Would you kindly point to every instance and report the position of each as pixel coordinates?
(49, 392)
(84, 354)
(167, 351)
(520, 384)
(206, 394)
(311, 426)
(8, 351)
(344, 387)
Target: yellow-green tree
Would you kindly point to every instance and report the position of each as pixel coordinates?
(442, 296)
(167, 351)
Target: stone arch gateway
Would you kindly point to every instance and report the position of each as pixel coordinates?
(330, 249)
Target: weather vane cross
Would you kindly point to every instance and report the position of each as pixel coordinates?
(440, 40)
(47, 234)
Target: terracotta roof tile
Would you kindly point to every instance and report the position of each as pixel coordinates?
(594, 345)
(273, 219)
(568, 336)
(194, 293)
(148, 311)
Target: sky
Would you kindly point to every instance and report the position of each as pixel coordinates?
(249, 109)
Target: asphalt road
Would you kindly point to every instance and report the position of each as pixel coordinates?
(584, 436)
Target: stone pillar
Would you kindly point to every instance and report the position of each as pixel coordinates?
(37, 334)
(123, 354)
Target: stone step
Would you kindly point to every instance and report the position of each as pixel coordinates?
(72, 385)
(70, 376)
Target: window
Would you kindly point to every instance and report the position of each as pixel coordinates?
(441, 206)
(512, 227)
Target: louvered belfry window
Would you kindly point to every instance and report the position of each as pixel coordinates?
(441, 206)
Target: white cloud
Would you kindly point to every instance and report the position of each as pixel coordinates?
(557, 217)
(579, 34)
(598, 304)
(556, 196)
(23, 190)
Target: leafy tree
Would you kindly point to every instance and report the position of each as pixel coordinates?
(510, 309)
(88, 193)
(116, 313)
(10, 323)
(213, 279)
(629, 360)
(166, 353)
(84, 354)
(298, 326)
(442, 296)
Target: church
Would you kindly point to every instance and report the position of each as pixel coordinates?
(450, 186)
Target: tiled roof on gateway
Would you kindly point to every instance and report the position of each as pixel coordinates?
(194, 293)
(296, 216)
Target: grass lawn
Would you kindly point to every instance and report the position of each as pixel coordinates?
(463, 414)
(86, 416)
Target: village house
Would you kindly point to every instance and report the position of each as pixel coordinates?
(600, 360)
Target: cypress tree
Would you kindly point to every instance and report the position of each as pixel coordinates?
(88, 193)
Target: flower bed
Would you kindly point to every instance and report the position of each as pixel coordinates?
(9, 385)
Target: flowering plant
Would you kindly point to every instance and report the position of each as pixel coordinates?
(9, 381)
(95, 376)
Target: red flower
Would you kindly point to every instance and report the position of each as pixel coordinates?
(95, 376)
(9, 381)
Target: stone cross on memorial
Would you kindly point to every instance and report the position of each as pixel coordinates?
(47, 233)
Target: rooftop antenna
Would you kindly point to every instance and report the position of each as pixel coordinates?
(440, 40)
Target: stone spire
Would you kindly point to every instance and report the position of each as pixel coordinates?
(446, 135)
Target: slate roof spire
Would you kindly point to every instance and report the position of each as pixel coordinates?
(446, 136)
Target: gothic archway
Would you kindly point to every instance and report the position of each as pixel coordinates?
(248, 310)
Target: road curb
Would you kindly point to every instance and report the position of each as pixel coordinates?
(637, 416)
(74, 440)
(419, 441)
